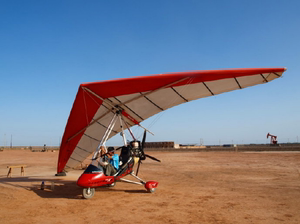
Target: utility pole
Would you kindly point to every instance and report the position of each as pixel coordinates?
(201, 141)
(11, 141)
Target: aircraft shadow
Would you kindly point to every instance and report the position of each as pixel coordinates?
(59, 189)
(115, 189)
(137, 191)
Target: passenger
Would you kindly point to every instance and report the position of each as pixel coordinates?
(104, 161)
(114, 158)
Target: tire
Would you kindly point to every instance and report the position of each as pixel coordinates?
(151, 190)
(88, 192)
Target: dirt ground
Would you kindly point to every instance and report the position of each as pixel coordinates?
(194, 187)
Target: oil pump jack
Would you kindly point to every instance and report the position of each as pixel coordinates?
(273, 139)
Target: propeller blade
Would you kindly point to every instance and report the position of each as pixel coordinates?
(137, 170)
(151, 157)
(119, 148)
(144, 140)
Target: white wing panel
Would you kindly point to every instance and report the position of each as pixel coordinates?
(87, 144)
(250, 80)
(166, 98)
(143, 107)
(99, 127)
(223, 85)
(193, 91)
(126, 98)
(71, 164)
(272, 76)
(80, 154)
(91, 138)
(101, 111)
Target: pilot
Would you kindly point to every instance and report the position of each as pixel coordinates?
(136, 149)
(113, 158)
(134, 144)
(105, 157)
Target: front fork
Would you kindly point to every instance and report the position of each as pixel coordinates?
(134, 182)
(150, 185)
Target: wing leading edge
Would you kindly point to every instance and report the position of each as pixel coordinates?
(140, 98)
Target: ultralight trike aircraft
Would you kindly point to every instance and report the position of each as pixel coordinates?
(104, 109)
(94, 175)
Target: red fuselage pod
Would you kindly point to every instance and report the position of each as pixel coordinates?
(151, 184)
(94, 177)
(125, 170)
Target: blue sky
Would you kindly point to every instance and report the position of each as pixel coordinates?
(47, 48)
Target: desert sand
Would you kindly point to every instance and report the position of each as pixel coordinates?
(194, 187)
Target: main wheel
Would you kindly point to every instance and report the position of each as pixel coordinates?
(151, 190)
(88, 192)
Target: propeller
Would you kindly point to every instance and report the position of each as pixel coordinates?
(144, 140)
(143, 155)
(153, 158)
(137, 169)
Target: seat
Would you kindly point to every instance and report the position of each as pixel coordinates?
(125, 154)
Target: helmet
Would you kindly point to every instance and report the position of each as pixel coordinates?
(134, 144)
(110, 149)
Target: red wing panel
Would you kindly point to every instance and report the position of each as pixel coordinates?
(83, 110)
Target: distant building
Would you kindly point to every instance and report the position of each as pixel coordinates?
(161, 145)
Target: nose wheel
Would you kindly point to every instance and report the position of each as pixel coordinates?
(151, 190)
(88, 192)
